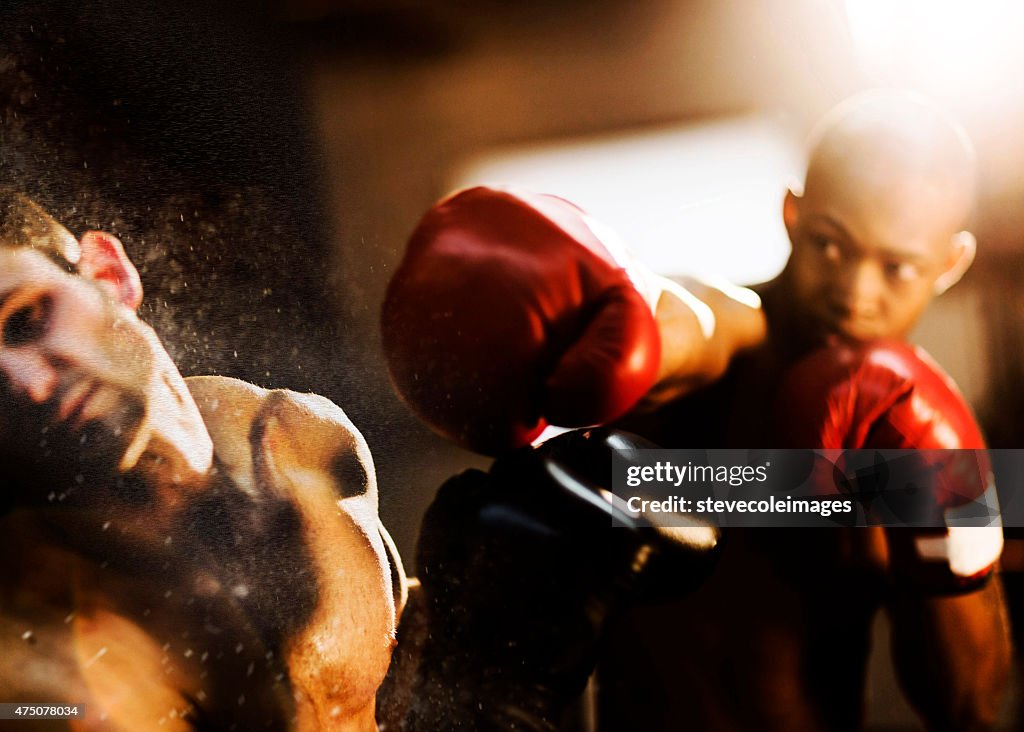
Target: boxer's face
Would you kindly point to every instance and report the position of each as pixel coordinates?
(82, 379)
(868, 252)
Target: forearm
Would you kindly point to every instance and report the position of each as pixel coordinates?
(952, 654)
(702, 327)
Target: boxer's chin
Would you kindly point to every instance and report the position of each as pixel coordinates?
(843, 334)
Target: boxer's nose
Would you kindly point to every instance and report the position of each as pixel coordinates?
(859, 293)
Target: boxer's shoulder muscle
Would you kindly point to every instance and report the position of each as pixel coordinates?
(305, 432)
(301, 449)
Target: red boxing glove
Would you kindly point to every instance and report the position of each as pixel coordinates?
(509, 312)
(893, 396)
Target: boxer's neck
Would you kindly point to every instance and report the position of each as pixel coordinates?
(791, 331)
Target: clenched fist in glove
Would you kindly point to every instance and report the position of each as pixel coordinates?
(522, 571)
(893, 396)
(513, 310)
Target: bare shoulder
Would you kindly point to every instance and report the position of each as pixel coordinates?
(225, 402)
(296, 437)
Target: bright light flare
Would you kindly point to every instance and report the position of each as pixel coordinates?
(701, 199)
(949, 48)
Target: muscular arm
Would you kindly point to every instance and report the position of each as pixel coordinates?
(702, 327)
(952, 654)
(949, 629)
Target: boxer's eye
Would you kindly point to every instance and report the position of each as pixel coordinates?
(27, 323)
(828, 248)
(902, 271)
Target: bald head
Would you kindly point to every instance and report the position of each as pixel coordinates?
(900, 149)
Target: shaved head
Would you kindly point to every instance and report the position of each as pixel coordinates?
(901, 147)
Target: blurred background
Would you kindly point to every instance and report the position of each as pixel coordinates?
(264, 163)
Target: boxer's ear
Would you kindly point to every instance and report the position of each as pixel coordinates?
(104, 261)
(961, 256)
(791, 210)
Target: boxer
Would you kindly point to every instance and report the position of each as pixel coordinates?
(778, 637)
(178, 554)
(877, 232)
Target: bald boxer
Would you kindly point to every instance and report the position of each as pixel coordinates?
(779, 638)
(178, 554)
